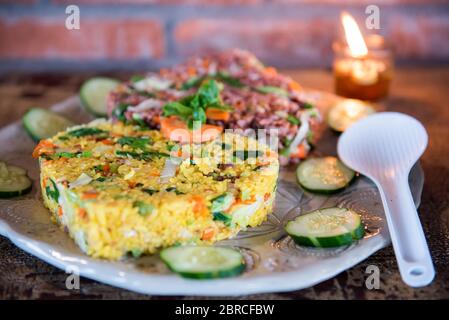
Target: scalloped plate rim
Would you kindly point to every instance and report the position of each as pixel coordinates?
(278, 282)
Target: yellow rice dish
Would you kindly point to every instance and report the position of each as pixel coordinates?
(122, 190)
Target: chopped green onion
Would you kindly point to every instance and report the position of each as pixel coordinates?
(52, 193)
(65, 154)
(271, 89)
(144, 209)
(293, 120)
(84, 154)
(119, 112)
(170, 189)
(136, 78)
(192, 83)
(171, 147)
(87, 131)
(146, 155)
(150, 191)
(135, 142)
(136, 253)
(220, 216)
(230, 80)
(222, 202)
(308, 105)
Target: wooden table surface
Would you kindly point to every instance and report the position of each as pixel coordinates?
(420, 92)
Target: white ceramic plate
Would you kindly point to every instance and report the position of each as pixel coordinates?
(274, 262)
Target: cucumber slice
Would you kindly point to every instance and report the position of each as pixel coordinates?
(324, 175)
(94, 94)
(203, 262)
(13, 181)
(330, 227)
(345, 113)
(43, 123)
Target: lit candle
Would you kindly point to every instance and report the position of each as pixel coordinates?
(362, 67)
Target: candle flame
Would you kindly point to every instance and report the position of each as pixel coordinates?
(354, 37)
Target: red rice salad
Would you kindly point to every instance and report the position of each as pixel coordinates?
(249, 96)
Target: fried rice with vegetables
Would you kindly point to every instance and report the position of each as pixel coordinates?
(120, 189)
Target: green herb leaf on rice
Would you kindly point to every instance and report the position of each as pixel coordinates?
(308, 105)
(146, 155)
(119, 112)
(150, 191)
(52, 193)
(135, 142)
(143, 208)
(293, 120)
(87, 131)
(65, 154)
(192, 109)
(229, 80)
(136, 253)
(221, 202)
(80, 154)
(225, 218)
(271, 89)
(138, 120)
(177, 109)
(192, 83)
(136, 78)
(173, 189)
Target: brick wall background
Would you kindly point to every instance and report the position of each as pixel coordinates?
(148, 34)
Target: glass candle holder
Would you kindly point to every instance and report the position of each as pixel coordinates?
(367, 77)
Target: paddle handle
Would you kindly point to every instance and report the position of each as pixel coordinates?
(409, 243)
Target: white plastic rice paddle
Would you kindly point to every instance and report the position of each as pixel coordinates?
(384, 147)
